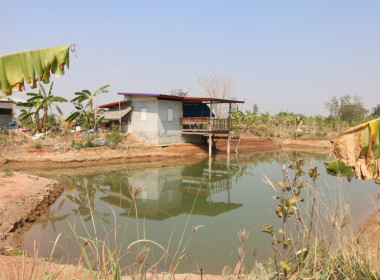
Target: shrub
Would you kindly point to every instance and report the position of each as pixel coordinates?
(7, 172)
(37, 145)
(114, 137)
(5, 139)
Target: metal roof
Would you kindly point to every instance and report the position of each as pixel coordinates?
(116, 115)
(112, 104)
(182, 98)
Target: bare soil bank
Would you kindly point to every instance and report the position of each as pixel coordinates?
(24, 157)
(23, 198)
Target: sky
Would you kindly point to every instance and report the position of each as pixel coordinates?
(281, 55)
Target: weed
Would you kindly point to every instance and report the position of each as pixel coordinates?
(5, 139)
(304, 253)
(114, 138)
(15, 252)
(7, 172)
(37, 145)
(50, 259)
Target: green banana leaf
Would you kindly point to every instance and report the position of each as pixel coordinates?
(336, 167)
(31, 66)
(359, 149)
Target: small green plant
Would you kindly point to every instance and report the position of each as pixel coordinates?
(5, 139)
(300, 251)
(7, 172)
(77, 145)
(38, 145)
(287, 209)
(114, 138)
(50, 259)
(90, 140)
(15, 252)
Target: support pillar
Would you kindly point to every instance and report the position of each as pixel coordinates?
(210, 132)
(229, 143)
(209, 144)
(229, 129)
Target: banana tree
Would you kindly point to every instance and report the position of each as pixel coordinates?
(32, 66)
(84, 113)
(48, 99)
(359, 149)
(86, 95)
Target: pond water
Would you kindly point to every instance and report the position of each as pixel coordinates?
(222, 196)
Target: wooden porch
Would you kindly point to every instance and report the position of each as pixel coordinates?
(204, 125)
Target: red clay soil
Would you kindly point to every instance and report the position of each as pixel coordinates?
(23, 157)
(23, 198)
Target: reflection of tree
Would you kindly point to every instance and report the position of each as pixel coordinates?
(50, 216)
(85, 200)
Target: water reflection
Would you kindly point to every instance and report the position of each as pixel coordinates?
(165, 192)
(225, 195)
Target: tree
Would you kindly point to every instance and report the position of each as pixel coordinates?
(23, 66)
(86, 95)
(376, 111)
(34, 106)
(216, 87)
(178, 92)
(84, 114)
(40, 101)
(348, 108)
(47, 103)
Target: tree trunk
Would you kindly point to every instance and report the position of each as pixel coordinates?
(38, 126)
(44, 120)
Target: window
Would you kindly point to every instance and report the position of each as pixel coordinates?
(170, 115)
(144, 114)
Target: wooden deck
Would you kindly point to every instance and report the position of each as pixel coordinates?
(204, 125)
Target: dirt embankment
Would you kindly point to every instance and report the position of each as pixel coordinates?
(22, 157)
(23, 198)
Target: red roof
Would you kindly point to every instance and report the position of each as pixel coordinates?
(111, 104)
(183, 98)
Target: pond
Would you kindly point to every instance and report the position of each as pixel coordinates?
(218, 197)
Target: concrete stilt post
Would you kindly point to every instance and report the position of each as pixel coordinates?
(229, 129)
(209, 133)
(229, 142)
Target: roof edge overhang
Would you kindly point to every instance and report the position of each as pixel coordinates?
(182, 98)
(112, 104)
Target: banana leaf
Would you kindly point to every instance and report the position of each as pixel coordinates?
(359, 149)
(31, 66)
(336, 167)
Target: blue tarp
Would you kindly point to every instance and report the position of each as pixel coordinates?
(195, 110)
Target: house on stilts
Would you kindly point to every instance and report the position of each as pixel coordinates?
(166, 119)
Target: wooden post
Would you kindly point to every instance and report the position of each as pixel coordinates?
(229, 129)
(209, 132)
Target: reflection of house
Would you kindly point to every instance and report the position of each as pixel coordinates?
(166, 192)
(7, 108)
(165, 119)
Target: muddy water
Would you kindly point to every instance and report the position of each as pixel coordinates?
(218, 197)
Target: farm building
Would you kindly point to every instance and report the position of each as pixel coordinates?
(7, 109)
(165, 119)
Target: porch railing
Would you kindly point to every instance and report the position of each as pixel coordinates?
(205, 124)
